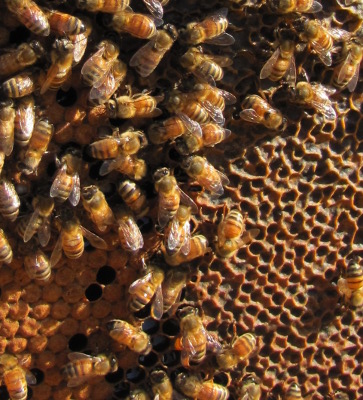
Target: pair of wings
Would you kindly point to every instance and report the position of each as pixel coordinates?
(131, 234)
(203, 64)
(75, 356)
(321, 101)
(178, 238)
(348, 63)
(43, 229)
(75, 190)
(290, 73)
(212, 179)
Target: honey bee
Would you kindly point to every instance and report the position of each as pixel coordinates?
(161, 385)
(172, 128)
(211, 30)
(30, 15)
(351, 286)
(6, 252)
(194, 387)
(293, 392)
(130, 165)
(95, 203)
(98, 65)
(138, 394)
(298, 6)
(128, 335)
(7, 123)
(205, 93)
(21, 85)
(105, 6)
(172, 288)
(71, 239)
(230, 230)
(205, 174)
(39, 221)
(66, 184)
(177, 234)
(258, 111)
(251, 389)
(62, 24)
(198, 247)
(139, 105)
(24, 121)
(24, 56)
(15, 377)
(194, 339)
(37, 266)
(129, 233)
(240, 349)
(316, 95)
(346, 74)
(38, 145)
(83, 367)
(147, 289)
(204, 67)
(9, 200)
(80, 42)
(148, 57)
(170, 196)
(134, 198)
(61, 68)
(109, 83)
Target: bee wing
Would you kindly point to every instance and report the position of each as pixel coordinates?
(249, 115)
(316, 7)
(249, 235)
(80, 45)
(291, 72)
(200, 74)
(44, 232)
(326, 109)
(133, 236)
(134, 287)
(54, 189)
(354, 80)
(212, 342)
(56, 253)
(185, 248)
(109, 165)
(88, 65)
(267, 68)
(163, 217)
(222, 61)
(174, 235)
(74, 356)
(137, 58)
(95, 240)
(228, 97)
(8, 144)
(75, 195)
(157, 305)
(339, 34)
(51, 74)
(27, 121)
(188, 201)
(155, 8)
(224, 39)
(325, 56)
(79, 380)
(214, 112)
(30, 228)
(105, 87)
(30, 378)
(192, 126)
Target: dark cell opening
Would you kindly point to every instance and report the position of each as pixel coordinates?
(94, 171)
(19, 35)
(171, 359)
(30, 393)
(115, 377)
(51, 169)
(68, 98)
(93, 292)
(4, 395)
(135, 375)
(171, 327)
(106, 275)
(145, 224)
(221, 379)
(149, 360)
(39, 375)
(77, 342)
(144, 312)
(150, 326)
(160, 343)
(122, 390)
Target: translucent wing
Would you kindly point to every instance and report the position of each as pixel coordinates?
(214, 112)
(326, 109)
(134, 287)
(104, 89)
(224, 39)
(250, 115)
(222, 61)
(325, 56)
(97, 58)
(27, 121)
(163, 216)
(44, 232)
(354, 80)
(132, 235)
(95, 240)
(51, 74)
(212, 342)
(192, 126)
(7, 145)
(316, 7)
(157, 305)
(58, 181)
(155, 8)
(185, 247)
(80, 45)
(267, 68)
(30, 378)
(249, 235)
(188, 201)
(291, 72)
(31, 227)
(73, 382)
(75, 194)
(174, 236)
(78, 356)
(109, 166)
(56, 253)
(228, 97)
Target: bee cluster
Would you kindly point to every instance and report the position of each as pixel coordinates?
(180, 204)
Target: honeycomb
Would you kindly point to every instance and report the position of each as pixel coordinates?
(300, 187)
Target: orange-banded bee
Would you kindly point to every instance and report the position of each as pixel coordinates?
(147, 289)
(30, 15)
(22, 84)
(250, 389)
(130, 165)
(194, 387)
(37, 266)
(66, 184)
(177, 233)
(205, 174)
(129, 233)
(83, 367)
(297, 6)
(7, 124)
(71, 238)
(138, 394)
(173, 285)
(241, 348)
(6, 252)
(24, 121)
(62, 24)
(211, 30)
(133, 197)
(130, 336)
(293, 392)
(351, 285)
(170, 196)
(95, 203)
(194, 339)
(203, 92)
(161, 385)
(148, 57)
(9, 200)
(105, 6)
(15, 377)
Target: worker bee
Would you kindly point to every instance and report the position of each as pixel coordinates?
(66, 184)
(139, 105)
(351, 286)
(71, 239)
(194, 387)
(194, 339)
(38, 145)
(298, 6)
(21, 85)
(109, 83)
(24, 121)
(170, 196)
(129, 233)
(161, 385)
(37, 266)
(9, 200)
(346, 74)
(105, 6)
(316, 95)
(80, 42)
(148, 57)
(172, 128)
(204, 67)
(211, 134)
(39, 221)
(211, 30)
(257, 110)
(128, 335)
(95, 203)
(24, 56)
(62, 24)
(205, 174)
(7, 123)
(138, 394)
(230, 237)
(172, 288)
(30, 15)
(177, 234)
(198, 247)
(130, 165)
(134, 198)
(205, 93)
(293, 392)
(82, 367)
(15, 377)
(6, 252)
(251, 389)
(61, 68)
(147, 289)
(241, 348)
